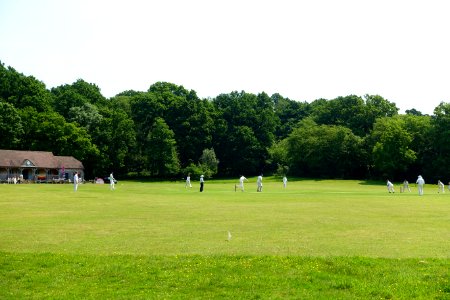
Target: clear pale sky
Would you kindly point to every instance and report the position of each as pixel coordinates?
(304, 50)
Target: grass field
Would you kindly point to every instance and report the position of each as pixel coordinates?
(318, 239)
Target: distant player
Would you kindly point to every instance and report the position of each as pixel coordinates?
(284, 181)
(241, 182)
(390, 187)
(75, 181)
(202, 183)
(259, 184)
(406, 186)
(111, 182)
(441, 187)
(420, 183)
(188, 181)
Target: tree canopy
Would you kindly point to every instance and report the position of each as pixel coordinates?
(168, 130)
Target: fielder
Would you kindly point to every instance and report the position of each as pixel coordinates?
(241, 182)
(284, 181)
(420, 183)
(441, 187)
(111, 182)
(406, 186)
(259, 184)
(75, 181)
(188, 181)
(390, 187)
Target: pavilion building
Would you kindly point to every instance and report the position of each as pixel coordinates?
(38, 166)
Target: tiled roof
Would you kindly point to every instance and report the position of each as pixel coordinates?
(40, 159)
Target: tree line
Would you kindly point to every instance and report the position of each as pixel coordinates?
(168, 131)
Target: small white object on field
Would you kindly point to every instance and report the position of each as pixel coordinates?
(229, 236)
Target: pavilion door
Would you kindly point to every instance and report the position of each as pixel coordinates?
(27, 174)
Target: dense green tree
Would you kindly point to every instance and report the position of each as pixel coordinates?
(209, 163)
(189, 118)
(392, 153)
(76, 94)
(288, 113)
(353, 112)
(23, 91)
(438, 165)
(11, 127)
(344, 111)
(325, 151)
(413, 112)
(123, 141)
(421, 130)
(245, 125)
(161, 154)
(377, 107)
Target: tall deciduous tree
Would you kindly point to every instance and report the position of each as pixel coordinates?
(441, 142)
(325, 151)
(162, 157)
(189, 118)
(11, 128)
(392, 153)
(23, 91)
(245, 125)
(208, 162)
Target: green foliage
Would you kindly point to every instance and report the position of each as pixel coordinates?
(11, 127)
(208, 163)
(162, 157)
(324, 151)
(352, 112)
(249, 132)
(289, 113)
(194, 169)
(281, 170)
(23, 91)
(244, 131)
(441, 137)
(75, 95)
(391, 150)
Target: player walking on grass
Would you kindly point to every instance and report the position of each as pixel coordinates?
(284, 181)
(259, 185)
(202, 183)
(111, 182)
(420, 183)
(75, 181)
(188, 181)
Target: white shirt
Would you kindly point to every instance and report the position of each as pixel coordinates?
(259, 180)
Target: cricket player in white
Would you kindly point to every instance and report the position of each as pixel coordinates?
(284, 181)
(420, 182)
(241, 182)
(111, 182)
(188, 181)
(441, 187)
(75, 181)
(259, 184)
(406, 186)
(390, 187)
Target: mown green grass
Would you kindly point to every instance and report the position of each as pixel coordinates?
(316, 239)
